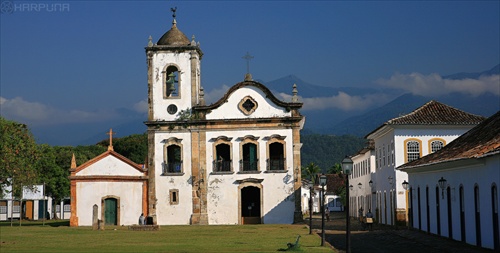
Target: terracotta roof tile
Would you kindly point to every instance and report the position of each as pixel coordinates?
(436, 113)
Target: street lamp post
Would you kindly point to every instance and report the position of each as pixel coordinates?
(405, 186)
(310, 184)
(322, 182)
(347, 169)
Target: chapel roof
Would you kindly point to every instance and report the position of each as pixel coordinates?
(173, 37)
(434, 113)
(482, 140)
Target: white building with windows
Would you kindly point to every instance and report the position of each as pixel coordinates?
(404, 139)
(361, 183)
(33, 205)
(454, 191)
(236, 161)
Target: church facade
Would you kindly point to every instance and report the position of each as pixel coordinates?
(236, 161)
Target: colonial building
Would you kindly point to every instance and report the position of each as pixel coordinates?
(236, 161)
(401, 140)
(360, 181)
(454, 191)
(114, 184)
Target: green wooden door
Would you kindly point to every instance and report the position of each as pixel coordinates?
(110, 211)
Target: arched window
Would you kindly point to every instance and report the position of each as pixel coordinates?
(223, 161)
(412, 150)
(436, 144)
(276, 156)
(249, 154)
(172, 156)
(171, 81)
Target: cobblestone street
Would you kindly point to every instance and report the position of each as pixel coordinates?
(386, 239)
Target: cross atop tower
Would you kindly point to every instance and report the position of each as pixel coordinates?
(110, 133)
(248, 57)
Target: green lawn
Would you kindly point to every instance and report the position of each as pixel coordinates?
(56, 236)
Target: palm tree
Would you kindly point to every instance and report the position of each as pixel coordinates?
(335, 169)
(310, 172)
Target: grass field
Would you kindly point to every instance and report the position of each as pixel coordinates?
(57, 236)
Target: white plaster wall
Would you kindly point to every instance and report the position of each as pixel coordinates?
(90, 193)
(484, 174)
(265, 108)
(448, 133)
(179, 214)
(222, 190)
(398, 135)
(160, 104)
(109, 166)
(356, 179)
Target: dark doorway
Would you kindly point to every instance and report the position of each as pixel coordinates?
(450, 223)
(428, 210)
(250, 205)
(477, 216)
(110, 208)
(438, 212)
(42, 209)
(494, 211)
(462, 214)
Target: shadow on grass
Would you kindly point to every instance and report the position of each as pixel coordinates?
(26, 223)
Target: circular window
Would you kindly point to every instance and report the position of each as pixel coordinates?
(172, 109)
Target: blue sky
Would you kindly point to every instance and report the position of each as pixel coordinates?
(81, 60)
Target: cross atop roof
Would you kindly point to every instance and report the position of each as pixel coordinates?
(110, 133)
(248, 57)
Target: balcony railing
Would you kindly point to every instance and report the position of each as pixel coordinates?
(248, 165)
(276, 164)
(221, 166)
(174, 167)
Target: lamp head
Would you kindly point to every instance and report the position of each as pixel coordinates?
(405, 185)
(322, 180)
(347, 165)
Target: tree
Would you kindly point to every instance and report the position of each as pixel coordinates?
(18, 156)
(335, 169)
(134, 147)
(310, 172)
(53, 175)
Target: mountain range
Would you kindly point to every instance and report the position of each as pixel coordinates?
(329, 120)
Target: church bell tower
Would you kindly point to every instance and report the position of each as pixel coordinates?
(173, 74)
(173, 66)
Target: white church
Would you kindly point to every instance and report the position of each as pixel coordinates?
(236, 161)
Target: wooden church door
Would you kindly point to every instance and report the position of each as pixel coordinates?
(110, 211)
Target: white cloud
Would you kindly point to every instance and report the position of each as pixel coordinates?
(34, 113)
(342, 101)
(141, 106)
(215, 94)
(435, 85)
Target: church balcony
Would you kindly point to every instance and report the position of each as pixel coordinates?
(249, 166)
(221, 166)
(173, 167)
(276, 164)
